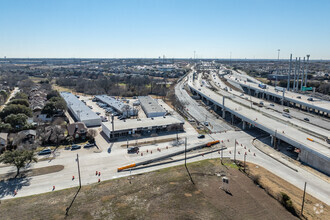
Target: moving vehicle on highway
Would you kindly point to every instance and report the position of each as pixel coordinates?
(306, 119)
(281, 89)
(263, 86)
(285, 114)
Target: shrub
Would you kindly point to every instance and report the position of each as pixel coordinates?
(287, 203)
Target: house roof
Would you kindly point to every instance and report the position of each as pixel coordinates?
(28, 132)
(3, 135)
(77, 125)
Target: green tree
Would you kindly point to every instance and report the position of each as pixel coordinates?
(5, 127)
(16, 121)
(21, 95)
(3, 94)
(52, 94)
(18, 158)
(15, 109)
(20, 102)
(49, 109)
(53, 105)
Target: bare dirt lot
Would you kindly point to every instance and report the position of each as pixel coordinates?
(163, 194)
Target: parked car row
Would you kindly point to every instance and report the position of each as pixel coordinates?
(72, 147)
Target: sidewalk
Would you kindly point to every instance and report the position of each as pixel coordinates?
(286, 160)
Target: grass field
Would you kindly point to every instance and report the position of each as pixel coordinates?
(163, 194)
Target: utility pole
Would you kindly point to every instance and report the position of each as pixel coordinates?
(289, 73)
(235, 152)
(78, 171)
(294, 76)
(278, 62)
(185, 152)
(306, 70)
(302, 75)
(244, 161)
(221, 155)
(298, 76)
(185, 160)
(303, 202)
(68, 208)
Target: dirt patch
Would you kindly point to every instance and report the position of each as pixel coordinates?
(154, 196)
(274, 185)
(33, 172)
(188, 195)
(143, 143)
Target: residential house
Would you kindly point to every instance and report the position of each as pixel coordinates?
(3, 141)
(77, 130)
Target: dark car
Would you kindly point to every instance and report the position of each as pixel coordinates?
(131, 150)
(45, 151)
(306, 119)
(89, 145)
(201, 136)
(75, 147)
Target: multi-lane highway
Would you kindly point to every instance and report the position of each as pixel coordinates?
(319, 105)
(316, 125)
(315, 153)
(199, 112)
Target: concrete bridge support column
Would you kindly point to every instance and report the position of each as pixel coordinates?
(263, 95)
(267, 97)
(244, 125)
(207, 102)
(272, 140)
(232, 118)
(223, 107)
(215, 107)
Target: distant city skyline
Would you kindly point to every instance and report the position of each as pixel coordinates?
(251, 29)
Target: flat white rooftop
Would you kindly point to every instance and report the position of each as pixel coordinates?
(78, 108)
(131, 124)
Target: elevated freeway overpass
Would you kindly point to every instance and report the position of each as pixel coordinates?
(313, 151)
(289, 98)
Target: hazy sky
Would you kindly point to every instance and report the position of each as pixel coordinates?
(174, 28)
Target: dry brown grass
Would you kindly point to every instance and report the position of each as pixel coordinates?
(163, 194)
(274, 185)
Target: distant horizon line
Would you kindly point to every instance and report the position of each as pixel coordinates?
(148, 58)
